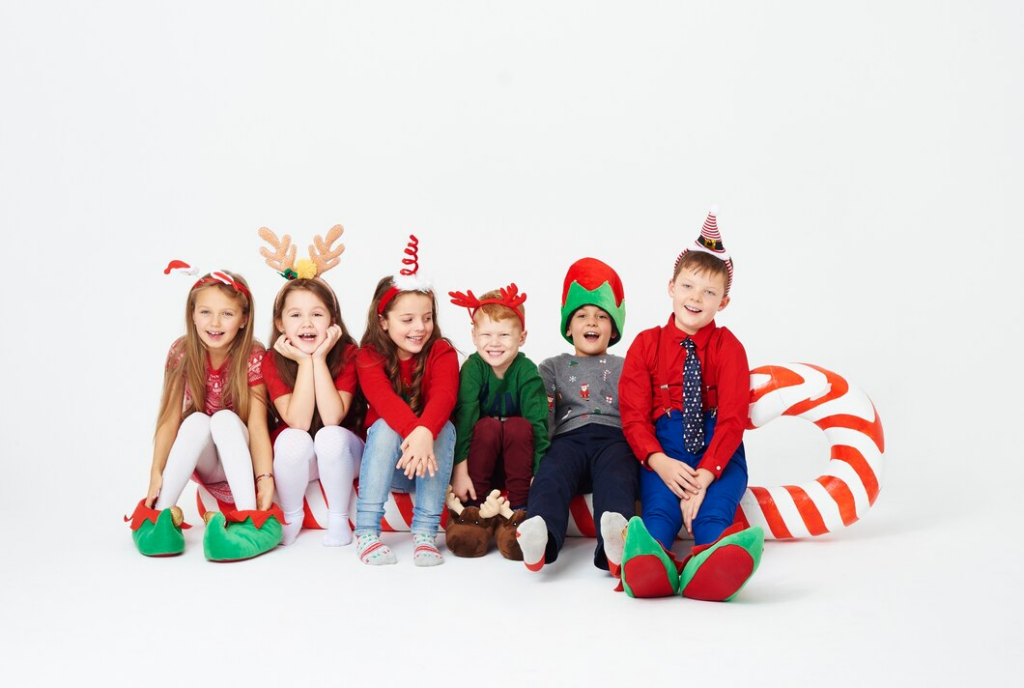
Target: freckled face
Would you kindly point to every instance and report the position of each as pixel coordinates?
(409, 323)
(497, 341)
(696, 298)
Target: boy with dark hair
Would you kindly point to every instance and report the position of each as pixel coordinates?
(588, 451)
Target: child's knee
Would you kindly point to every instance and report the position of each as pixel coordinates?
(518, 428)
(225, 421)
(487, 429)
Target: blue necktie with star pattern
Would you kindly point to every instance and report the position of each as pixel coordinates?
(693, 418)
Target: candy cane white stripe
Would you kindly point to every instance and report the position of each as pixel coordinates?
(859, 441)
(827, 506)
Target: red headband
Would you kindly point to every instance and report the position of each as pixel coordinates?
(510, 298)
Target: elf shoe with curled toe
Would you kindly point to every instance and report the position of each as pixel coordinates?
(157, 533)
(717, 571)
(647, 570)
(238, 535)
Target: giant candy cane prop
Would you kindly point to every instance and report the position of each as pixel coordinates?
(850, 423)
(835, 500)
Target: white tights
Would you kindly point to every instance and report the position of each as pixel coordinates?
(333, 458)
(217, 449)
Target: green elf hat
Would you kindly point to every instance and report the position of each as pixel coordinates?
(589, 282)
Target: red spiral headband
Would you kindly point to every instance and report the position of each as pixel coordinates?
(510, 298)
(408, 278)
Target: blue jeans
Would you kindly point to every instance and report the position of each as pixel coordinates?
(718, 510)
(378, 477)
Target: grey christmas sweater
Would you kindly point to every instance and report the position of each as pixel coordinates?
(581, 390)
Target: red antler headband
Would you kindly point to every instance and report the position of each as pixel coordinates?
(510, 298)
(408, 278)
(216, 277)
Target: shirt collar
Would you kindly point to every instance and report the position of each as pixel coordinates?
(677, 336)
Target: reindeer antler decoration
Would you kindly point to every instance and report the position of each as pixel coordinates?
(321, 256)
(325, 257)
(510, 298)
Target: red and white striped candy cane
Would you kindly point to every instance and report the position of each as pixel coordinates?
(850, 423)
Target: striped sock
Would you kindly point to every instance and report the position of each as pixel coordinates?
(372, 551)
(533, 540)
(424, 552)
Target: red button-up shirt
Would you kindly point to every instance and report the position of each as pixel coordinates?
(652, 385)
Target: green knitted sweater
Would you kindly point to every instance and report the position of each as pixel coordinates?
(482, 394)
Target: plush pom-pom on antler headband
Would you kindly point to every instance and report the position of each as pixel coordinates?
(408, 278)
(322, 257)
(180, 267)
(710, 241)
(510, 298)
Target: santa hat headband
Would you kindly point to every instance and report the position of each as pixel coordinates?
(180, 267)
(408, 278)
(710, 241)
(510, 298)
(322, 255)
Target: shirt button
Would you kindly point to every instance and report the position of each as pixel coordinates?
(718, 468)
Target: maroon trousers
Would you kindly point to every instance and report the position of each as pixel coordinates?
(501, 455)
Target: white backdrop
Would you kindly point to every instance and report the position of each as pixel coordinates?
(866, 158)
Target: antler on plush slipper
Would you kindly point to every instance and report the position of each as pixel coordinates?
(492, 505)
(452, 502)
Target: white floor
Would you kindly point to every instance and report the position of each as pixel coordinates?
(867, 159)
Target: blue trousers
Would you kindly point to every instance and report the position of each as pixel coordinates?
(661, 512)
(592, 458)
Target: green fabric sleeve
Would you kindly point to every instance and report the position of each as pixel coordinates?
(467, 406)
(533, 399)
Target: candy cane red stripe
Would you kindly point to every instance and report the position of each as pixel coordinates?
(771, 513)
(873, 429)
(583, 517)
(840, 492)
(808, 511)
(779, 378)
(856, 460)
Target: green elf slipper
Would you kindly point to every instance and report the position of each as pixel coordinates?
(157, 533)
(647, 569)
(717, 571)
(238, 535)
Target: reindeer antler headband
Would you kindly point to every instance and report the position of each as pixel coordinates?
(510, 298)
(180, 267)
(408, 278)
(321, 256)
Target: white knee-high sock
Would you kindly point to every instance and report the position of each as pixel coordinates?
(293, 457)
(231, 438)
(338, 452)
(192, 443)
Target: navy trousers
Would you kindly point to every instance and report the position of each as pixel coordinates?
(592, 458)
(661, 512)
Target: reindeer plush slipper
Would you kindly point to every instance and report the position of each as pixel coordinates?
(469, 529)
(238, 535)
(158, 533)
(505, 530)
